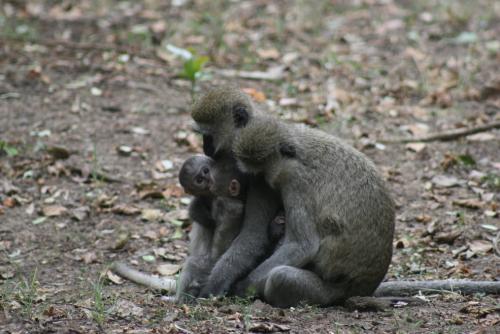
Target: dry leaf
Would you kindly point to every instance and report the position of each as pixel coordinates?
(114, 278)
(480, 246)
(126, 309)
(54, 210)
(9, 202)
(470, 203)
(173, 191)
(89, 257)
(124, 209)
(445, 181)
(268, 53)
(152, 235)
(416, 147)
(255, 94)
(151, 215)
(168, 269)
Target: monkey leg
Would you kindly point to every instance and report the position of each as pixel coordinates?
(289, 286)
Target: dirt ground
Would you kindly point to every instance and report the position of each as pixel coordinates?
(94, 125)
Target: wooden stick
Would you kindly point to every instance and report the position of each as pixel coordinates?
(444, 136)
(409, 288)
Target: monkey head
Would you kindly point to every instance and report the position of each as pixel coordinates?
(218, 115)
(261, 145)
(196, 175)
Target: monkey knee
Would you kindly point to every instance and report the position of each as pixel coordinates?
(278, 285)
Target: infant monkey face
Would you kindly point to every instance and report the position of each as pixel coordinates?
(196, 175)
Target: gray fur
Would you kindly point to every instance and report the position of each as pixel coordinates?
(339, 215)
(214, 114)
(216, 222)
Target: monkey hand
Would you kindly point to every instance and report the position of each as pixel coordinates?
(244, 289)
(214, 288)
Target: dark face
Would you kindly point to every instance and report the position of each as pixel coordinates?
(196, 175)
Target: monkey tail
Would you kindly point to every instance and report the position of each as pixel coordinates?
(136, 276)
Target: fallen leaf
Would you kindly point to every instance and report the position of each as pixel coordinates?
(417, 129)
(168, 269)
(54, 210)
(255, 94)
(124, 150)
(480, 246)
(139, 131)
(81, 213)
(173, 190)
(181, 214)
(126, 309)
(9, 202)
(423, 218)
(152, 235)
(114, 278)
(272, 74)
(148, 258)
(470, 203)
(268, 53)
(416, 147)
(151, 215)
(124, 209)
(39, 220)
(268, 328)
(121, 241)
(445, 181)
(485, 136)
(447, 237)
(164, 165)
(465, 37)
(58, 152)
(89, 257)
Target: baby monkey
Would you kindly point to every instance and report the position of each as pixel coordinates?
(217, 213)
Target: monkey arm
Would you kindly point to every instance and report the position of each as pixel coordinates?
(299, 247)
(250, 245)
(200, 211)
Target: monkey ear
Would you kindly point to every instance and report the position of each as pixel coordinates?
(240, 116)
(234, 188)
(287, 150)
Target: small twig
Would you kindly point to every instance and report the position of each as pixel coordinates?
(496, 244)
(444, 136)
(86, 46)
(182, 329)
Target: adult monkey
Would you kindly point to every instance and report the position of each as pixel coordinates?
(340, 216)
(219, 115)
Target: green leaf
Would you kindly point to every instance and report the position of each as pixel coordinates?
(466, 160)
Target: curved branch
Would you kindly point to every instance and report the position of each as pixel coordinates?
(444, 136)
(408, 288)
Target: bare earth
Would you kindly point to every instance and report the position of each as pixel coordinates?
(96, 120)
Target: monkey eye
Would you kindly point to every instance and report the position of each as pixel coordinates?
(199, 180)
(205, 170)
